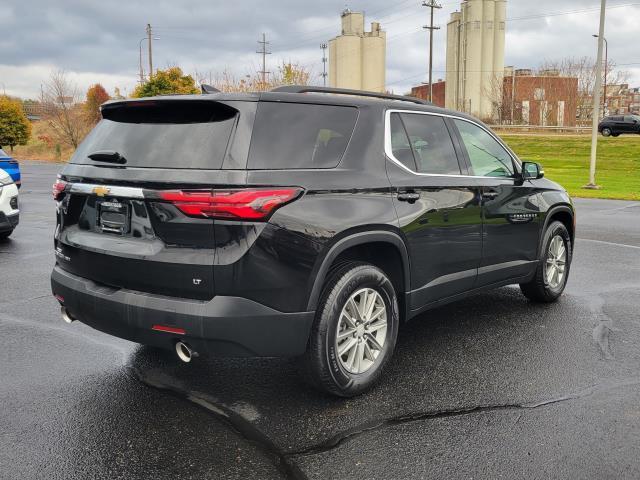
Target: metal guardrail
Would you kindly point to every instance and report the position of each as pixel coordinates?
(540, 128)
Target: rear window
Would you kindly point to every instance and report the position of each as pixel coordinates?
(300, 136)
(169, 134)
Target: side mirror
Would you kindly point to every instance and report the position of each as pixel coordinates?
(532, 171)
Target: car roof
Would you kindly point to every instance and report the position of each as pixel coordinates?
(311, 98)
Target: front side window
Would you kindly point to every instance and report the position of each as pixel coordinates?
(431, 144)
(488, 158)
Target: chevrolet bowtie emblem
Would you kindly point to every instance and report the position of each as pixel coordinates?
(101, 191)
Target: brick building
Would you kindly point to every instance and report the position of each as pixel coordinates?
(545, 99)
(422, 91)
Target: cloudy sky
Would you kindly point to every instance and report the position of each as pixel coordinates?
(98, 41)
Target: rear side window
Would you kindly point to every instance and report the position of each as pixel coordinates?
(431, 143)
(400, 145)
(164, 134)
(300, 136)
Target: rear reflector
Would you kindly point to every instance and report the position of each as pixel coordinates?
(60, 299)
(167, 329)
(239, 204)
(58, 189)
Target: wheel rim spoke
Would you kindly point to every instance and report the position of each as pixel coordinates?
(348, 332)
(346, 346)
(373, 341)
(374, 327)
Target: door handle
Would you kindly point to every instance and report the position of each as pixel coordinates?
(411, 197)
(490, 195)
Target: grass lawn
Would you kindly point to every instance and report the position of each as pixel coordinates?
(566, 160)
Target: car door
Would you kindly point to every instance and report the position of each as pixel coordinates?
(619, 125)
(630, 124)
(438, 207)
(511, 217)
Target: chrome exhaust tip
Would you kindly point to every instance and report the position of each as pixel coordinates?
(66, 316)
(184, 351)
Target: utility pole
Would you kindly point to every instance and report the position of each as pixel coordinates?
(596, 101)
(264, 51)
(432, 5)
(323, 46)
(150, 55)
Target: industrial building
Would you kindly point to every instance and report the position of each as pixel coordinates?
(357, 59)
(475, 57)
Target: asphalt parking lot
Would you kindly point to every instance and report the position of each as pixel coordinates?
(490, 387)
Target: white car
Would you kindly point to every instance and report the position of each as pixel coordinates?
(9, 213)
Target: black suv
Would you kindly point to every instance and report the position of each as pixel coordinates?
(296, 222)
(619, 124)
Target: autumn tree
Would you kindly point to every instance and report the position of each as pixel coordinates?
(96, 96)
(66, 116)
(164, 82)
(15, 128)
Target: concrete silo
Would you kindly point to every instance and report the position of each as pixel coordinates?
(475, 57)
(357, 59)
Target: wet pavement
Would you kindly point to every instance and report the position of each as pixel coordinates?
(492, 386)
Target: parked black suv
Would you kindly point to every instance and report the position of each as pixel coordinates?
(619, 124)
(296, 222)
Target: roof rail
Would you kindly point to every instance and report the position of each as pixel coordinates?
(346, 91)
(208, 89)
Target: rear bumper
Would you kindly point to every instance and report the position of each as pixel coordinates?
(8, 222)
(223, 326)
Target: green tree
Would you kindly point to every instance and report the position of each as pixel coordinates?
(164, 82)
(15, 128)
(96, 96)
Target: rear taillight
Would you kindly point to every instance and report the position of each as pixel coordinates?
(240, 204)
(58, 189)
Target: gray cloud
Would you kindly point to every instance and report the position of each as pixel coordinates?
(98, 41)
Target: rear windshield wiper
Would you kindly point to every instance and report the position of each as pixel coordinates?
(108, 156)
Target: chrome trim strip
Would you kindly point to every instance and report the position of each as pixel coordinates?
(114, 190)
(389, 151)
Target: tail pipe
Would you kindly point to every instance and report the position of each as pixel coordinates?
(66, 316)
(185, 352)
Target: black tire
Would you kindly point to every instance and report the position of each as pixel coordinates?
(5, 235)
(320, 366)
(539, 289)
(606, 132)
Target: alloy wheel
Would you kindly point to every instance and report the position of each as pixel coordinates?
(556, 262)
(362, 330)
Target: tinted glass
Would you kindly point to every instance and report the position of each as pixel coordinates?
(400, 146)
(295, 135)
(488, 158)
(431, 143)
(147, 137)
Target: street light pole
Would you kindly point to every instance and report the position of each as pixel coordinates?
(596, 101)
(140, 61)
(606, 67)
